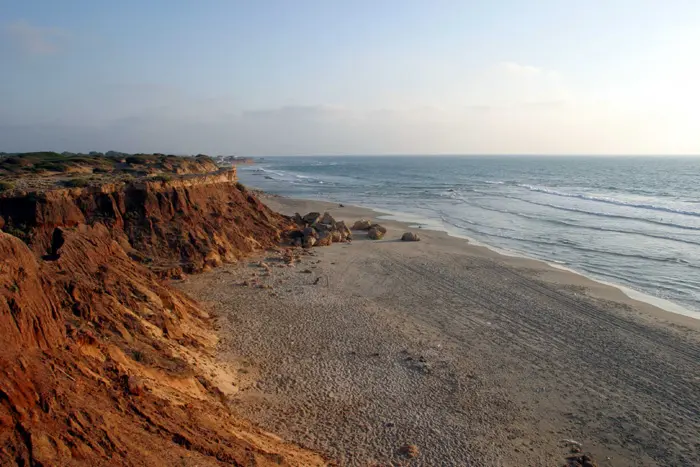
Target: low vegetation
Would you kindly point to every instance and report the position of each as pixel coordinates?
(77, 182)
(41, 170)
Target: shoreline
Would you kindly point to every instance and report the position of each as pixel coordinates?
(633, 294)
(614, 258)
(634, 297)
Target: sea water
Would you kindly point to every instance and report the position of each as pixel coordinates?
(632, 221)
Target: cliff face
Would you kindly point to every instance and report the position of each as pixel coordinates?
(186, 224)
(101, 361)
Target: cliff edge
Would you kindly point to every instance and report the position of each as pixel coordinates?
(102, 362)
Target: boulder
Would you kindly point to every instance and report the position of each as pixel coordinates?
(327, 219)
(344, 231)
(337, 236)
(322, 227)
(376, 233)
(410, 237)
(362, 224)
(298, 220)
(309, 232)
(308, 242)
(135, 385)
(381, 228)
(312, 217)
(295, 234)
(324, 239)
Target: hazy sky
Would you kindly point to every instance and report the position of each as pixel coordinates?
(281, 77)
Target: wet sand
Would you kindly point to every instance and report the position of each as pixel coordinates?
(473, 357)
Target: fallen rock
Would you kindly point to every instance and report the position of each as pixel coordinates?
(295, 237)
(327, 219)
(381, 228)
(298, 220)
(135, 385)
(345, 232)
(376, 232)
(311, 218)
(580, 460)
(324, 239)
(308, 242)
(410, 237)
(362, 224)
(410, 450)
(336, 236)
(289, 257)
(309, 232)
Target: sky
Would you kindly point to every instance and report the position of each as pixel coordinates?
(326, 77)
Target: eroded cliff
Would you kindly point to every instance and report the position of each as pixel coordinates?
(188, 223)
(101, 361)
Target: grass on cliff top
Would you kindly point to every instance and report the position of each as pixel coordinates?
(50, 164)
(77, 182)
(38, 163)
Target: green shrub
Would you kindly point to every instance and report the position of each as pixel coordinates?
(137, 355)
(6, 185)
(52, 166)
(162, 178)
(45, 155)
(19, 231)
(82, 160)
(136, 160)
(77, 182)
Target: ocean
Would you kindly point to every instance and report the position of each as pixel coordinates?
(630, 221)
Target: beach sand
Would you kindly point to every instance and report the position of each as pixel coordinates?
(474, 357)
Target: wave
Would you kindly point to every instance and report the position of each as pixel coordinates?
(573, 245)
(275, 172)
(587, 227)
(605, 214)
(603, 199)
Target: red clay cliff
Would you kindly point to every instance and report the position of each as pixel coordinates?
(101, 361)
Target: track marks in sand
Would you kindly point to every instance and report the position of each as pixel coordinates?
(637, 378)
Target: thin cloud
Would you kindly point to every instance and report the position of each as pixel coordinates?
(35, 40)
(521, 70)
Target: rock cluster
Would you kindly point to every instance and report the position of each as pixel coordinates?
(362, 224)
(376, 232)
(315, 229)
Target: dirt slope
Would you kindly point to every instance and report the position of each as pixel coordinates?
(101, 361)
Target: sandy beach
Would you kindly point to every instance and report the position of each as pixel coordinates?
(475, 358)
